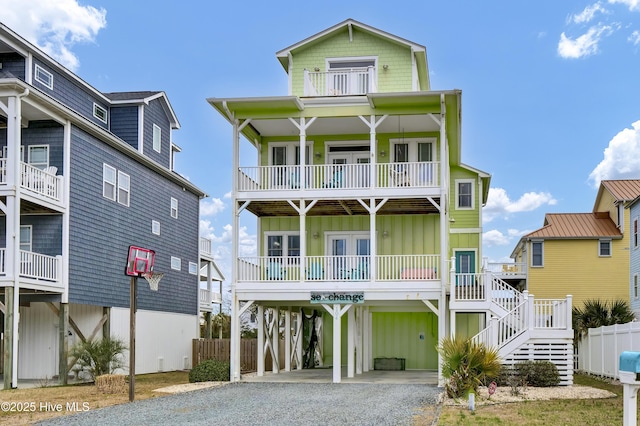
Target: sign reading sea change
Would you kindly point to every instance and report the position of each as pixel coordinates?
(344, 298)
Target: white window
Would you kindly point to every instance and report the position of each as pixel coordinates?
(157, 138)
(43, 76)
(38, 156)
(99, 113)
(537, 253)
(412, 150)
(26, 231)
(175, 263)
(635, 286)
(193, 268)
(124, 183)
(464, 194)
(109, 182)
(287, 245)
(174, 208)
(155, 227)
(604, 248)
(4, 152)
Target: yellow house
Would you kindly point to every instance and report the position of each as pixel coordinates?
(582, 254)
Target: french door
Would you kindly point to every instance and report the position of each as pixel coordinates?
(349, 256)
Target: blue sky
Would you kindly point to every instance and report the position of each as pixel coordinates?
(550, 89)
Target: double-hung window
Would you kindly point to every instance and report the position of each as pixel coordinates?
(109, 182)
(157, 138)
(464, 194)
(604, 248)
(26, 232)
(124, 187)
(537, 253)
(635, 233)
(39, 156)
(174, 208)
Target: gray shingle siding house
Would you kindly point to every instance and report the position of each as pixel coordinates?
(84, 175)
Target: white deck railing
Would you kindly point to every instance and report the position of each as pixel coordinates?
(35, 265)
(338, 176)
(205, 246)
(343, 82)
(506, 268)
(339, 268)
(208, 298)
(40, 181)
(501, 331)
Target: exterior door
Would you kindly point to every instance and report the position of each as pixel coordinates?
(465, 264)
(354, 176)
(350, 257)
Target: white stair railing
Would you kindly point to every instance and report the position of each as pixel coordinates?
(503, 330)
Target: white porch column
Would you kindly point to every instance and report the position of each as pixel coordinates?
(336, 345)
(235, 304)
(234, 343)
(444, 231)
(275, 341)
(366, 339)
(261, 353)
(287, 339)
(359, 330)
(351, 338)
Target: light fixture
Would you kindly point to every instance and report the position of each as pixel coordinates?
(385, 234)
(385, 67)
(316, 235)
(316, 69)
(451, 220)
(383, 153)
(318, 155)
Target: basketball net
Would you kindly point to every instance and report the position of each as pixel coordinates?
(153, 278)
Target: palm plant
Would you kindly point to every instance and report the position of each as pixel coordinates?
(596, 313)
(99, 357)
(466, 364)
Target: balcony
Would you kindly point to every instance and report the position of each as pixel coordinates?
(43, 184)
(507, 270)
(37, 271)
(208, 298)
(343, 82)
(205, 247)
(338, 176)
(270, 269)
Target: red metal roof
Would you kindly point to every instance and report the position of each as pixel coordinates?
(576, 225)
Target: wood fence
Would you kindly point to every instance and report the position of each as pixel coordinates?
(220, 349)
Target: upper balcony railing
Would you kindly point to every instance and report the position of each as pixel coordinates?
(338, 176)
(506, 269)
(44, 183)
(36, 266)
(205, 246)
(423, 267)
(341, 82)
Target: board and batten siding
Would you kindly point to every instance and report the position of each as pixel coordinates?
(101, 230)
(574, 267)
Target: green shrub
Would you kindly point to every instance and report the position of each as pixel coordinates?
(99, 357)
(538, 373)
(466, 364)
(210, 370)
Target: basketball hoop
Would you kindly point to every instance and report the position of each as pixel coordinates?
(153, 278)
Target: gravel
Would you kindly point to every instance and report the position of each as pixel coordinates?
(270, 404)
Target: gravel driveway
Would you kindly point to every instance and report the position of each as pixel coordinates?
(270, 404)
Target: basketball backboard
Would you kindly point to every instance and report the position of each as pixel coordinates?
(140, 261)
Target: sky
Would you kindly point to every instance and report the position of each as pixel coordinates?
(550, 89)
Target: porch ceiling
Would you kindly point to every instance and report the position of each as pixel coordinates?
(344, 207)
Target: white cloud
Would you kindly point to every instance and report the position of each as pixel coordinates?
(495, 237)
(634, 5)
(211, 207)
(584, 45)
(587, 14)
(634, 38)
(499, 203)
(621, 157)
(54, 26)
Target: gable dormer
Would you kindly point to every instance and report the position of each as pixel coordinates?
(145, 120)
(351, 59)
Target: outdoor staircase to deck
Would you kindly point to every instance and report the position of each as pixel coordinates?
(521, 327)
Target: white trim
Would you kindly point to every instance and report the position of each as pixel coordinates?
(176, 263)
(174, 207)
(473, 193)
(38, 77)
(124, 189)
(29, 147)
(98, 108)
(605, 240)
(30, 242)
(113, 184)
(155, 227)
(157, 130)
(413, 147)
(291, 151)
(541, 254)
(465, 230)
(477, 265)
(193, 268)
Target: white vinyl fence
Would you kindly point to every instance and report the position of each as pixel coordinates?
(599, 351)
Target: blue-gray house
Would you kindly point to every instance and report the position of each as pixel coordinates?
(634, 255)
(84, 175)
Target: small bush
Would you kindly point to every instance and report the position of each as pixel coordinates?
(538, 373)
(99, 357)
(210, 370)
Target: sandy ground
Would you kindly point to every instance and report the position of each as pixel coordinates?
(187, 387)
(503, 394)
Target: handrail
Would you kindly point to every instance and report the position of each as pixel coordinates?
(502, 330)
